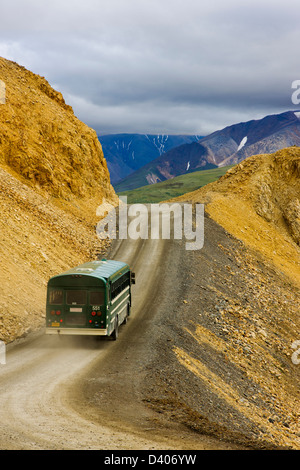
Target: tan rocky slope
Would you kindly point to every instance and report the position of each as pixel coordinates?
(53, 176)
(249, 300)
(42, 140)
(258, 201)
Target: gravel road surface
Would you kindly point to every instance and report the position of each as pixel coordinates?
(87, 393)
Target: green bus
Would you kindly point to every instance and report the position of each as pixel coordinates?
(91, 299)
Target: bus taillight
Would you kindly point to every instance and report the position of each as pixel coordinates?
(58, 312)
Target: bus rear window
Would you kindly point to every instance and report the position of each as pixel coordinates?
(56, 297)
(76, 297)
(97, 298)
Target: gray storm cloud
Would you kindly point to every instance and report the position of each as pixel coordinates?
(161, 66)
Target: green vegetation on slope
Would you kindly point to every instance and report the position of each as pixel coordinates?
(174, 187)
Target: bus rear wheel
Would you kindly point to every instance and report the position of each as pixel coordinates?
(115, 333)
(127, 314)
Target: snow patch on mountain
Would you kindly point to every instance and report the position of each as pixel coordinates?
(159, 142)
(120, 144)
(242, 143)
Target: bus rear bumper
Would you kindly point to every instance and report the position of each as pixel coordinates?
(76, 331)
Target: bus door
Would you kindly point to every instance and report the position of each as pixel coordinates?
(75, 308)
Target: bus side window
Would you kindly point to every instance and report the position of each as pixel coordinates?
(113, 291)
(119, 285)
(126, 281)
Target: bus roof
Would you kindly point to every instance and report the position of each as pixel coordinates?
(103, 269)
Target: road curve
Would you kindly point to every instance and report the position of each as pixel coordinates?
(43, 405)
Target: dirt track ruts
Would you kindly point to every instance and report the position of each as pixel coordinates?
(45, 379)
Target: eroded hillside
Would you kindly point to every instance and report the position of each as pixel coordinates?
(53, 176)
(242, 307)
(42, 140)
(258, 201)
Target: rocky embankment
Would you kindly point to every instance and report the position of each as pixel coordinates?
(257, 201)
(235, 340)
(53, 176)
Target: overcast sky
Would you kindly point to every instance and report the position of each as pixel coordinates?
(159, 66)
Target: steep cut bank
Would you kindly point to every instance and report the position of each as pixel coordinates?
(43, 141)
(258, 201)
(53, 176)
(236, 353)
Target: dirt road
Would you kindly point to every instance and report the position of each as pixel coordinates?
(190, 310)
(45, 380)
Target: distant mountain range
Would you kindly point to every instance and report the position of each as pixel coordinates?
(126, 153)
(225, 147)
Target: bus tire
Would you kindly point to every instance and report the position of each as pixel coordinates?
(115, 333)
(127, 314)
